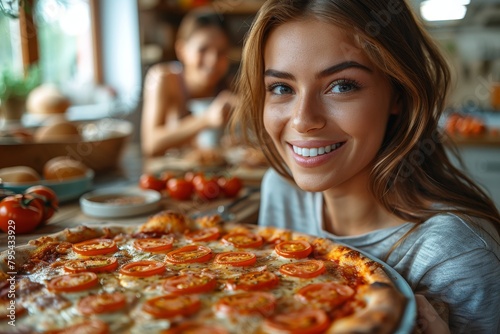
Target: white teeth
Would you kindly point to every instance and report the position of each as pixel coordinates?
(313, 152)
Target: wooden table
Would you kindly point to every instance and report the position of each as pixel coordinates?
(70, 215)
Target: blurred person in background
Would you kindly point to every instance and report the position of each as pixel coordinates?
(198, 80)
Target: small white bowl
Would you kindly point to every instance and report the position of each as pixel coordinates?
(119, 202)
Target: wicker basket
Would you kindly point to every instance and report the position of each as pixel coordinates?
(101, 150)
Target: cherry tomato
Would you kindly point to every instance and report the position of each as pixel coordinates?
(189, 254)
(20, 214)
(298, 322)
(245, 303)
(236, 259)
(154, 245)
(143, 268)
(189, 284)
(166, 175)
(243, 240)
(170, 306)
(294, 249)
(304, 269)
(230, 186)
(48, 199)
(207, 188)
(102, 303)
(257, 280)
(194, 177)
(73, 282)
(149, 181)
(96, 264)
(179, 189)
(324, 295)
(95, 247)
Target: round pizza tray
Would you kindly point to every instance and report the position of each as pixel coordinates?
(408, 321)
(407, 324)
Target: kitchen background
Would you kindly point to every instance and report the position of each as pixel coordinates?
(98, 51)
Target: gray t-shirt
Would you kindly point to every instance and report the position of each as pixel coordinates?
(455, 264)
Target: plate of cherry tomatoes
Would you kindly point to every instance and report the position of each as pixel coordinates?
(191, 185)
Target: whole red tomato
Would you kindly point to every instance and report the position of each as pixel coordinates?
(47, 197)
(20, 214)
(193, 176)
(149, 181)
(207, 188)
(179, 189)
(230, 186)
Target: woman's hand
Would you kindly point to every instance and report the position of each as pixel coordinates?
(428, 320)
(219, 110)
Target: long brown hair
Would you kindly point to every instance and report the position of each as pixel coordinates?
(411, 172)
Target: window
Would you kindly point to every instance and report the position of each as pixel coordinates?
(10, 45)
(56, 34)
(65, 44)
(79, 46)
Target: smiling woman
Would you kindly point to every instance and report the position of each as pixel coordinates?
(344, 98)
(315, 91)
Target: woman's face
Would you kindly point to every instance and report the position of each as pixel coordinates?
(205, 55)
(327, 105)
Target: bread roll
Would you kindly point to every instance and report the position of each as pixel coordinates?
(61, 131)
(47, 99)
(63, 168)
(19, 174)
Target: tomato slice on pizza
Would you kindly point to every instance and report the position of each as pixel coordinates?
(97, 264)
(243, 240)
(102, 303)
(196, 328)
(189, 284)
(189, 254)
(299, 322)
(324, 295)
(206, 234)
(73, 282)
(154, 245)
(304, 269)
(257, 280)
(236, 259)
(94, 326)
(293, 249)
(170, 306)
(247, 303)
(95, 247)
(143, 268)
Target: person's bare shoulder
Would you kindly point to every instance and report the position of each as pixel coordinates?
(164, 76)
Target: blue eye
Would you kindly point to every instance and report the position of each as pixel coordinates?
(280, 89)
(343, 86)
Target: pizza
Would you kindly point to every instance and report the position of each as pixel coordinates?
(173, 274)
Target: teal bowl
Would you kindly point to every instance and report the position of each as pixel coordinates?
(66, 190)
